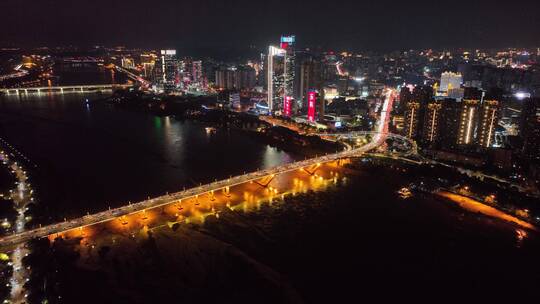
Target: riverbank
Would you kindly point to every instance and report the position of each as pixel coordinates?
(208, 111)
(472, 205)
(20, 197)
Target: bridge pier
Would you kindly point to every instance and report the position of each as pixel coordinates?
(312, 171)
(227, 191)
(264, 183)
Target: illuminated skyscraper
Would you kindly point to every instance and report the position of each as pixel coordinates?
(488, 121)
(288, 44)
(467, 121)
(432, 117)
(148, 60)
(412, 119)
(478, 119)
(450, 81)
(166, 70)
(196, 73)
(275, 68)
(309, 78)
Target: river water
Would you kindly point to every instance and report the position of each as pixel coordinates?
(92, 157)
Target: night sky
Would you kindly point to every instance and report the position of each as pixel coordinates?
(357, 25)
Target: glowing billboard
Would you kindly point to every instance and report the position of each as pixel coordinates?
(287, 41)
(312, 100)
(287, 106)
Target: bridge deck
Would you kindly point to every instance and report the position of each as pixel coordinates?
(108, 215)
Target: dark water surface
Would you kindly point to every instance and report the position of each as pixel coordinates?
(90, 157)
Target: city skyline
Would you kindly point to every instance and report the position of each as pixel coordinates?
(268, 151)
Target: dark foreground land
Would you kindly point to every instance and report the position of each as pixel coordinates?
(355, 242)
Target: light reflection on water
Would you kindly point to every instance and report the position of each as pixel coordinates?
(127, 155)
(521, 236)
(247, 197)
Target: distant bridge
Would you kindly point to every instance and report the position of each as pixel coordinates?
(64, 89)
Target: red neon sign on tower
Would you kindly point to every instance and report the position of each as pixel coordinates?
(312, 98)
(287, 106)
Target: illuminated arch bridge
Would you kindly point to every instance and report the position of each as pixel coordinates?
(377, 139)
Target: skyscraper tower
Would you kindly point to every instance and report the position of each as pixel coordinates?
(467, 121)
(412, 119)
(288, 43)
(488, 120)
(197, 71)
(432, 117)
(275, 68)
(166, 70)
(310, 77)
(449, 81)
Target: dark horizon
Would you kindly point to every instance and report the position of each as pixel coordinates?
(338, 25)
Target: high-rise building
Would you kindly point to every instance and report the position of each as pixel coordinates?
(530, 129)
(276, 68)
(405, 95)
(488, 121)
(148, 60)
(148, 69)
(449, 123)
(196, 73)
(422, 94)
(225, 78)
(128, 63)
(412, 119)
(450, 81)
(432, 118)
(288, 44)
(468, 121)
(413, 106)
(240, 78)
(166, 70)
(310, 78)
(185, 72)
